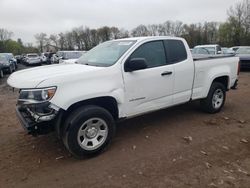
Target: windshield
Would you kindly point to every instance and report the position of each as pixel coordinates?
(243, 51)
(106, 54)
(2, 58)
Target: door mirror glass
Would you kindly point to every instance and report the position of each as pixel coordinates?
(135, 64)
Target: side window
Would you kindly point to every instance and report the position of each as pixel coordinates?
(153, 52)
(175, 50)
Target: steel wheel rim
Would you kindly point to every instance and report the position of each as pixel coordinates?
(218, 98)
(92, 134)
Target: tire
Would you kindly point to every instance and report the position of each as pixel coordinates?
(215, 99)
(10, 70)
(88, 131)
(1, 73)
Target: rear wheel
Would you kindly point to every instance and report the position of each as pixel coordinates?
(215, 99)
(88, 131)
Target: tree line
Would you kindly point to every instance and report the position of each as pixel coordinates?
(12, 46)
(234, 31)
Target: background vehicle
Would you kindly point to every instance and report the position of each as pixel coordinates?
(7, 63)
(33, 59)
(18, 58)
(1, 66)
(54, 59)
(11, 59)
(235, 48)
(244, 54)
(44, 57)
(227, 51)
(69, 55)
(118, 79)
(211, 49)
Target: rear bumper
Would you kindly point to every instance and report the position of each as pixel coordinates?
(34, 62)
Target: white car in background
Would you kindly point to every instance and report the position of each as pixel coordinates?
(44, 57)
(210, 49)
(227, 51)
(69, 57)
(235, 48)
(33, 59)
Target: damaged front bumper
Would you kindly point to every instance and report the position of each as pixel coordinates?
(37, 119)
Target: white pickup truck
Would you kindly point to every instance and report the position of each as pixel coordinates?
(118, 79)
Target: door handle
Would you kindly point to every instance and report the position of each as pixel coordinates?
(166, 73)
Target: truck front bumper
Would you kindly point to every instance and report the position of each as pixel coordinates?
(36, 123)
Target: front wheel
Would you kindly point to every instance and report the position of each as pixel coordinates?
(215, 99)
(88, 131)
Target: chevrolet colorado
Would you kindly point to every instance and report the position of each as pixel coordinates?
(118, 79)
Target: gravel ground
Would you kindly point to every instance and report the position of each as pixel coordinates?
(176, 147)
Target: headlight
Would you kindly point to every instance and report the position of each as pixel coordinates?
(36, 95)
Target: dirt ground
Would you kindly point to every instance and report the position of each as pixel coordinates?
(148, 151)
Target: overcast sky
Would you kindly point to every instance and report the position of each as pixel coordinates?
(27, 17)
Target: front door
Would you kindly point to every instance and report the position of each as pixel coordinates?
(150, 88)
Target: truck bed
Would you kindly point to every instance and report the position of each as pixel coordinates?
(205, 57)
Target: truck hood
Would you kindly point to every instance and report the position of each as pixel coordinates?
(31, 78)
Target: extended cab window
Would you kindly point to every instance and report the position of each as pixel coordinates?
(175, 50)
(153, 52)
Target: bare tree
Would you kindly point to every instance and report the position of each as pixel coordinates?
(5, 34)
(41, 39)
(62, 41)
(104, 33)
(239, 19)
(54, 41)
(139, 31)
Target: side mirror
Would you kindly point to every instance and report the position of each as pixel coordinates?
(135, 64)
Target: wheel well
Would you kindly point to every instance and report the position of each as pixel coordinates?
(108, 103)
(224, 80)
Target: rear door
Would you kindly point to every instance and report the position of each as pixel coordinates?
(183, 67)
(150, 88)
